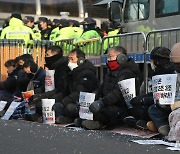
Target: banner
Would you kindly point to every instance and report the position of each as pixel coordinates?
(85, 100)
(10, 110)
(48, 114)
(164, 88)
(128, 90)
(49, 80)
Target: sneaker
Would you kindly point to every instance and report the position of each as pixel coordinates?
(141, 124)
(92, 125)
(151, 126)
(130, 121)
(78, 122)
(63, 120)
(164, 130)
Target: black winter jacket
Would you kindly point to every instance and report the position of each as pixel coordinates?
(110, 92)
(83, 78)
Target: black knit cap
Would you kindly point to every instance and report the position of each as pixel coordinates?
(160, 53)
(16, 14)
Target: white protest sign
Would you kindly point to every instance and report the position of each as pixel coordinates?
(128, 90)
(49, 80)
(164, 88)
(2, 105)
(85, 100)
(10, 110)
(48, 114)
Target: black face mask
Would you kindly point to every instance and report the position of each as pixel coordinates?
(30, 76)
(39, 27)
(51, 60)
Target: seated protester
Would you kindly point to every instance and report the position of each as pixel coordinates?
(23, 80)
(174, 117)
(160, 63)
(37, 81)
(82, 77)
(54, 61)
(7, 87)
(110, 107)
(36, 76)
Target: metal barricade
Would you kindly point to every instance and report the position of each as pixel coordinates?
(134, 43)
(9, 49)
(165, 38)
(91, 47)
(67, 45)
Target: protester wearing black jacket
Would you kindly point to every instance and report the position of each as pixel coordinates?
(81, 78)
(54, 61)
(160, 64)
(110, 107)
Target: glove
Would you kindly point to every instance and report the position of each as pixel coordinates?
(163, 108)
(137, 101)
(96, 106)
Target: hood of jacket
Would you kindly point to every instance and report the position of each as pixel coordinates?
(15, 22)
(60, 62)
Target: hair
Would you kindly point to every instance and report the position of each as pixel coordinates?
(10, 62)
(26, 57)
(79, 53)
(160, 56)
(30, 63)
(56, 49)
(119, 49)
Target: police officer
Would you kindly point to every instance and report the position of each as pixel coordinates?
(43, 27)
(17, 30)
(29, 21)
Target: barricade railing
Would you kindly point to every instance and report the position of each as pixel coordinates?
(66, 44)
(9, 49)
(91, 47)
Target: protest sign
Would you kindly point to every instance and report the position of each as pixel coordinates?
(10, 110)
(128, 90)
(49, 80)
(2, 105)
(164, 88)
(48, 114)
(85, 100)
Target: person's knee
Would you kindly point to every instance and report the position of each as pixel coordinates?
(72, 109)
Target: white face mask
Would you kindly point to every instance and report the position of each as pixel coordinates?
(153, 66)
(72, 65)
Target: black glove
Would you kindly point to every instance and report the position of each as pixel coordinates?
(96, 106)
(137, 101)
(163, 108)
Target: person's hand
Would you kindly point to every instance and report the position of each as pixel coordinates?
(96, 106)
(137, 101)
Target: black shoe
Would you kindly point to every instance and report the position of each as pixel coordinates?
(31, 117)
(92, 125)
(78, 122)
(130, 121)
(141, 124)
(63, 120)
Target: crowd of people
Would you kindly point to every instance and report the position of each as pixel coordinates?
(16, 27)
(75, 74)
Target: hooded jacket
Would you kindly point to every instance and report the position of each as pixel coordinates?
(110, 92)
(82, 78)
